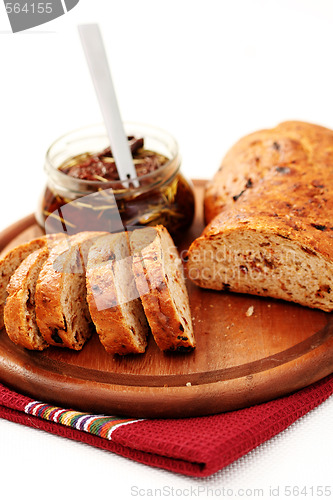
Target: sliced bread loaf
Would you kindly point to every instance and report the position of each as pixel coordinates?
(61, 308)
(272, 234)
(19, 313)
(10, 262)
(112, 296)
(160, 281)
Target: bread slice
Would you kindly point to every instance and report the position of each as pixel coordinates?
(272, 234)
(10, 262)
(61, 308)
(160, 281)
(19, 313)
(112, 296)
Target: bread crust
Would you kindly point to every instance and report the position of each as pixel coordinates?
(284, 170)
(166, 323)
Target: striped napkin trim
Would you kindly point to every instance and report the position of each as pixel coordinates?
(99, 425)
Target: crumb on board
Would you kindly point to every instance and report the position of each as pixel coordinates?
(269, 305)
(250, 311)
(230, 326)
(211, 305)
(188, 384)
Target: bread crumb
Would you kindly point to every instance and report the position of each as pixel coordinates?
(269, 305)
(249, 312)
(211, 305)
(188, 384)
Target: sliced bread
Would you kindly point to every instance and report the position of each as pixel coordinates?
(19, 313)
(160, 281)
(112, 296)
(61, 308)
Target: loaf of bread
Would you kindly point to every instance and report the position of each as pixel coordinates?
(10, 262)
(112, 296)
(159, 279)
(271, 218)
(62, 312)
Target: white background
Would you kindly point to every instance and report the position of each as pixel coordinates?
(208, 72)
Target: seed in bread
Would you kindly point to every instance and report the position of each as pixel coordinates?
(112, 296)
(160, 281)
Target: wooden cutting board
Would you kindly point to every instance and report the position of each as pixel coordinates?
(240, 360)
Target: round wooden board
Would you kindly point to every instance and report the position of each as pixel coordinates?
(240, 360)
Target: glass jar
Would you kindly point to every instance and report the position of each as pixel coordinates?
(70, 204)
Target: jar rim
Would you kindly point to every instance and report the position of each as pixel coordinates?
(109, 184)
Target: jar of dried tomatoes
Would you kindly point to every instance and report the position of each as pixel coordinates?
(83, 190)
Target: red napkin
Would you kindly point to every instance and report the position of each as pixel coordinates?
(192, 446)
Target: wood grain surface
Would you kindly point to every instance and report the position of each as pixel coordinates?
(240, 360)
